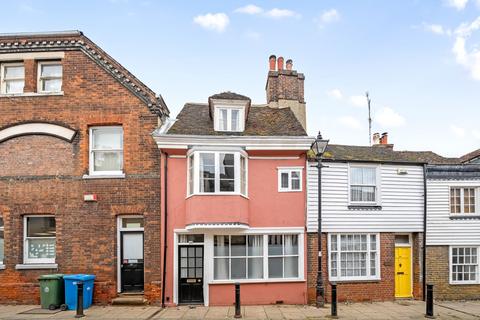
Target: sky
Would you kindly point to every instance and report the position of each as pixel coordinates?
(418, 59)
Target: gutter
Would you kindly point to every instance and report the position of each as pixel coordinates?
(424, 251)
(165, 203)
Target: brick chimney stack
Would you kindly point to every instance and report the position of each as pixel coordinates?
(285, 88)
(381, 141)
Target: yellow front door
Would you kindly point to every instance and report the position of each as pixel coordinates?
(403, 272)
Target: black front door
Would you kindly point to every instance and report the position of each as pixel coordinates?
(190, 271)
(131, 261)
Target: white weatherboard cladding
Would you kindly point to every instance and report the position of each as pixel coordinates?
(401, 199)
(441, 230)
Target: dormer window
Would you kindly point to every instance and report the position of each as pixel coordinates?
(229, 119)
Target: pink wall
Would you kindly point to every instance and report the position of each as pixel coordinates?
(218, 209)
(266, 208)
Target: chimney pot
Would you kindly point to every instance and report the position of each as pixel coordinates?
(289, 64)
(280, 63)
(376, 138)
(272, 61)
(384, 138)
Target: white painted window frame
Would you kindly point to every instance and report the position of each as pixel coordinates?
(241, 118)
(289, 171)
(3, 81)
(40, 79)
(2, 228)
(196, 172)
(339, 278)
(27, 260)
(377, 186)
(462, 201)
(91, 169)
(450, 265)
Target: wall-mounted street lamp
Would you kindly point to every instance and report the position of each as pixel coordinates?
(318, 148)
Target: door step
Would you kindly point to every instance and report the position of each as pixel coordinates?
(129, 299)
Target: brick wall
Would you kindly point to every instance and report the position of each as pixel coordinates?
(438, 275)
(43, 175)
(382, 290)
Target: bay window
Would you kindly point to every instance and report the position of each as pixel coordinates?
(217, 173)
(106, 150)
(463, 200)
(363, 184)
(256, 257)
(354, 257)
(464, 265)
(39, 239)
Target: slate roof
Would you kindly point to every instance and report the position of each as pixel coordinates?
(336, 152)
(194, 119)
(452, 172)
(229, 96)
(76, 40)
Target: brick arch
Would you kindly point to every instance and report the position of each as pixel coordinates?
(37, 128)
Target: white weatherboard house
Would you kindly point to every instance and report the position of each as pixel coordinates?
(453, 231)
(372, 221)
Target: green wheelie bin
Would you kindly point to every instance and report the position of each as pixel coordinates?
(51, 291)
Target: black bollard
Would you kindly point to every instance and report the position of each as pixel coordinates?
(334, 301)
(429, 302)
(79, 300)
(238, 313)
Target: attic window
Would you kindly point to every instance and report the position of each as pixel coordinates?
(229, 119)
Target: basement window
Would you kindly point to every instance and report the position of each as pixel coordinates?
(39, 239)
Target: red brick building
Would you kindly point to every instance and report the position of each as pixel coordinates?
(79, 170)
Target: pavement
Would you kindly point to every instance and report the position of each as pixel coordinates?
(362, 311)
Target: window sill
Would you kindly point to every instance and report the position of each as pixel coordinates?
(354, 280)
(2, 267)
(246, 281)
(30, 94)
(36, 266)
(290, 190)
(465, 216)
(464, 283)
(103, 176)
(217, 194)
(364, 207)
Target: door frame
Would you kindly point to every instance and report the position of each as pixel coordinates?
(407, 245)
(120, 229)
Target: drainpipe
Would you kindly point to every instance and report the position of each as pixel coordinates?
(165, 207)
(424, 251)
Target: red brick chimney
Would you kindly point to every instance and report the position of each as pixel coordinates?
(285, 88)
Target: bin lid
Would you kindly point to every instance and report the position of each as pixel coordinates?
(56, 276)
(79, 277)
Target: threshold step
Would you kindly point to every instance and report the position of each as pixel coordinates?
(129, 300)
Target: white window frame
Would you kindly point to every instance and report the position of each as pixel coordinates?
(368, 277)
(300, 255)
(91, 151)
(40, 78)
(289, 171)
(462, 201)
(241, 118)
(2, 228)
(3, 84)
(27, 260)
(450, 265)
(196, 172)
(377, 186)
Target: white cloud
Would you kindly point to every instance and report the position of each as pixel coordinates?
(459, 132)
(329, 16)
(213, 21)
(281, 13)
(387, 117)
(249, 9)
(335, 93)
(350, 122)
(470, 59)
(457, 4)
(358, 101)
(437, 29)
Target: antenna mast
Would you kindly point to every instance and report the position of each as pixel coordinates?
(369, 120)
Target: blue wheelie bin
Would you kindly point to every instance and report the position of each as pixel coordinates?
(71, 295)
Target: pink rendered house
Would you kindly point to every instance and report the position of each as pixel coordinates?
(234, 188)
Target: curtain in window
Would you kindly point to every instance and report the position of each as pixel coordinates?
(255, 249)
(291, 263)
(221, 265)
(363, 182)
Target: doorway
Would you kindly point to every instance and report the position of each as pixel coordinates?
(403, 266)
(190, 271)
(131, 255)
